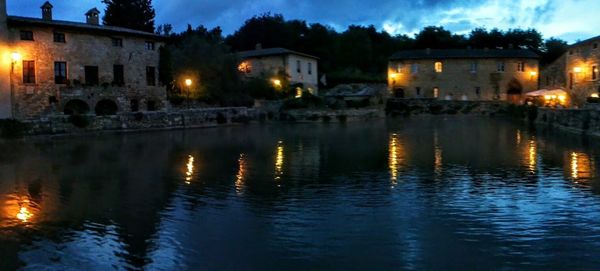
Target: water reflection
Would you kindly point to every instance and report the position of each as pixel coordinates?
(395, 157)
(240, 177)
(189, 170)
(532, 155)
(279, 159)
(438, 158)
(581, 166)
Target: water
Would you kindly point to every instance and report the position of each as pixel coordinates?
(428, 193)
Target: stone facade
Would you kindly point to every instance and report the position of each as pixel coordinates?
(114, 65)
(483, 75)
(581, 70)
(553, 75)
(268, 63)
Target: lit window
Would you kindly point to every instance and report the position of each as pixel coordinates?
(436, 92)
(414, 68)
(500, 67)
(521, 66)
(594, 72)
(245, 67)
(438, 67)
(400, 68)
(474, 67)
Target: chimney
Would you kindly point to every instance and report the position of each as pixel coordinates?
(259, 46)
(47, 11)
(428, 51)
(3, 14)
(93, 16)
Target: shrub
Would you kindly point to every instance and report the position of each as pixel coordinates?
(10, 128)
(79, 121)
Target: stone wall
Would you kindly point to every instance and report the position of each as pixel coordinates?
(457, 82)
(140, 121)
(583, 121)
(582, 61)
(435, 107)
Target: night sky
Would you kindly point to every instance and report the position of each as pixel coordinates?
(570, 20)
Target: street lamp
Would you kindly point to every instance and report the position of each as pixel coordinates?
(188, 83)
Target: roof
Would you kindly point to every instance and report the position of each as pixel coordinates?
(463, 54)
(92, 11)
(18, 20)
(585, 41)
(271, 52)
(47, 5)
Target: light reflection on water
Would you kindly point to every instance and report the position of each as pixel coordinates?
(466, 192)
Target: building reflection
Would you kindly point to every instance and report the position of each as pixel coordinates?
(581, 166)
(438, 154)
(532, 155)
(279, 160)
(396, 157)
(189, 169)
(240, 177)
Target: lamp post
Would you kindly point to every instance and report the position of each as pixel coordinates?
(188, 83)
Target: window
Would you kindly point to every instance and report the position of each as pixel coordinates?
(500, 67)
(309, 68)
(595, 46)
(298, 66)
(117, 42)
(26, 35)
(59, 37)
(135, 105)
(28, 72)
(438, 66)
(60, 72)
(594, 72)
(477, 91)
(91, 75)
(414, 68)
(436, 92)
(474, 67)
(151, 105)
(151, 76)
(570, 52)
(418, 91)
(400, 68)
(521, 67)
(118, 75)
(150, 45)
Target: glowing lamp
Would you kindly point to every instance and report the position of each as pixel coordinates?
(595, 95)
(577, 69)
(548, 97)
(533, 74)
(188, 82)
(276, 82)
(393, 75)
(15, 56)
(562, 98)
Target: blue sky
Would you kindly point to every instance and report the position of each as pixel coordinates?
(571, 20)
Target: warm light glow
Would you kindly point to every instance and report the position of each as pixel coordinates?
(190, 170)
(15, 57)
(438, 154)
(279, 158)
(393, 75)
(532, 151)
(298, 93)
(562, 98)
(188, 82)
(518, 137)
(24, 214)
(276, 82)
(245, 67)
(240, 177)
(577, 69)
(581, 166)
(438, 67)
(533, 73)
(595, 95)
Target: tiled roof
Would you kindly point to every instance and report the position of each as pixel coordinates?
(18, 20)
(585, 41)
(271, 52)
(463, 54)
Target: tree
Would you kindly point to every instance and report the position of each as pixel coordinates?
(553, 49)
(133, 14)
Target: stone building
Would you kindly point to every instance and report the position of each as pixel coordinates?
(301, 69)
(553, 76)
(463, 74)
(577, 71)
(51, 66)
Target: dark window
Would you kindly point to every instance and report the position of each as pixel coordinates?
(571, 80)
(117, 42)
(309, 68)
(60, 72)
(418, 91)
(59, 37)
(28, 72)
(151, 105)
(151, 76)
(135, 105)
(91, 75)
(118, 75)
(150, 45)
(52, 100)
(595, 46)
(298, 66)
(477, 91)
(571, 52)
(26, 35)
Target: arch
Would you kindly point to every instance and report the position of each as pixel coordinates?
(151, 105)
(514, 87)
(106, 108)
(76, 107)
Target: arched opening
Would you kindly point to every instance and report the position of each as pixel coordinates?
(76, 107)
(399, 93)
(151, 105)
(514, 90)
(106, 108)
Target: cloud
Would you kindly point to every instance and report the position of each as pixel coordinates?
(554, 18)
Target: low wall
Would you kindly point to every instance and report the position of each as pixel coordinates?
(328, 115)
(160, 120)
(584, 121)
(436, 107)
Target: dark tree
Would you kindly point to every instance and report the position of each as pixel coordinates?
(553, 49)
(435, 37)
(133, 14)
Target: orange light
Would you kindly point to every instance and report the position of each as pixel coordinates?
(276, 82)
(577, 69)
(15, 56)
(188, 82)
(533, 73)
